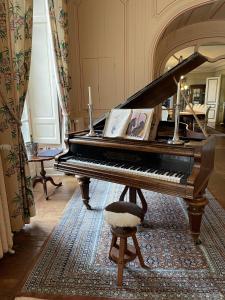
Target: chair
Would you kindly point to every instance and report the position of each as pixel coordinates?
(123, 218)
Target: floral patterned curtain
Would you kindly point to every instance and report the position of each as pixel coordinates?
(59, 25)
(15, 54)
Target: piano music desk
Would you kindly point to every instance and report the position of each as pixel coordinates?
(43, 178)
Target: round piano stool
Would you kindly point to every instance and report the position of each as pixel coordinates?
(123, 218)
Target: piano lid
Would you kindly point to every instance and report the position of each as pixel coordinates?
(161, 88)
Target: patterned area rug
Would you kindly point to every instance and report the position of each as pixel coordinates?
(75, 259)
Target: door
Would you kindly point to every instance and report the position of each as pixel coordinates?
(212, 98)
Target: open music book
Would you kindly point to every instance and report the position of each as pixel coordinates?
(129, 123)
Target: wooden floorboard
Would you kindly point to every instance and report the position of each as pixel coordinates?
(28, 242)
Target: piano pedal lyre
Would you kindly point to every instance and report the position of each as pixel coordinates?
(133, 192)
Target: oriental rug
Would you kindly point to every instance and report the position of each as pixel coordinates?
(74, 261)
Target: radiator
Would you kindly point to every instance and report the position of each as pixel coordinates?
(6, 241)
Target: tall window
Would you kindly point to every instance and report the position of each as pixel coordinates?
(41, 117)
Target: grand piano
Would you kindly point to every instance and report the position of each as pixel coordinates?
(179, 170)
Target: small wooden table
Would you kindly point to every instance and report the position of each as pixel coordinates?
(43, 179)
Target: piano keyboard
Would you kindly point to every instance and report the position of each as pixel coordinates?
(161, 174)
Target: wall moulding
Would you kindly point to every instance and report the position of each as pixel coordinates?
(160, 6)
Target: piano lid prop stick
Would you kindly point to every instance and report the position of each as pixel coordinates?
(191, 109)
(91, 128)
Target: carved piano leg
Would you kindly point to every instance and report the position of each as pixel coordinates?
(195, 212)
(84, 187)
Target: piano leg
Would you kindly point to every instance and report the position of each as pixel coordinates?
(84, 187)
(195, 213)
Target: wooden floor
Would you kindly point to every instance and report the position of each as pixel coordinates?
(28, 242)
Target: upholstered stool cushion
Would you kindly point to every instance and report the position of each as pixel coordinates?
(123, 214)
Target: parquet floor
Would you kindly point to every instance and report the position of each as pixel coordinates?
(28, 242)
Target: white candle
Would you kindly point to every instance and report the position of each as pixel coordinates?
(89, 96)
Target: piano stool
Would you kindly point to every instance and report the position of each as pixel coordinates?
(123, 218)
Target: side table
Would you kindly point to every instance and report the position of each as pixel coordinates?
(42, 178)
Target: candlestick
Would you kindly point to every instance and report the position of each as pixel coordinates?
(91, 128)
(89, 96)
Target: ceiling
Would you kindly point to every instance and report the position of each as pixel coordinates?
(215, 10)
(211, 51)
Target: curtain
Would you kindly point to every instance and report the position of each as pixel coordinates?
(6, 241)
(15, 54)
(59, 26)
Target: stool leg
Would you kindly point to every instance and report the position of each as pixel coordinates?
(113, 243)
(138, 251)
(121, 261)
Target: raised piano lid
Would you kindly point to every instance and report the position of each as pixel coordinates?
(161, 88)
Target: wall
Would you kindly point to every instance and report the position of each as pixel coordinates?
(197, 78)
(112, 44)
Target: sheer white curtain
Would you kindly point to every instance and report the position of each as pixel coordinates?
(6, 241)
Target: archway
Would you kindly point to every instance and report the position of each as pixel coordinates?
(200, 25)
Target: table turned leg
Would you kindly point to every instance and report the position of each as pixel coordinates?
(49, 178)
(84, 187)
(43, 173)
(195, 213)
(44, 179)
